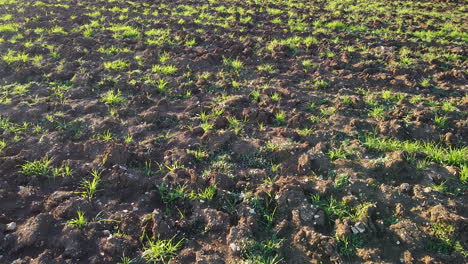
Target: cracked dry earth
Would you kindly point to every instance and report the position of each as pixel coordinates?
(227, 131)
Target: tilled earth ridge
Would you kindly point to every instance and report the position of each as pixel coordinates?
(233, 131)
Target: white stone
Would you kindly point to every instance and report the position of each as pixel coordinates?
(234, 247)
(11, 226)
(360, 227)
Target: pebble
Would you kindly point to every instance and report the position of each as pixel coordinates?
(316, 216)
(355, 230)
(360, 227)
(405, 187)
(234, 247)
(252, 211)
(11, 226)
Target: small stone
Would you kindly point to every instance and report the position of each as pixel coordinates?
(252, 211)
(11, 226)
(405, 187)
(355, 230)
(360, 227)
(398, 242)
(106, 232)
(316, 216)
(234, 247)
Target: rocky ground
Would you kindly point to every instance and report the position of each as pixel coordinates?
(213, 131)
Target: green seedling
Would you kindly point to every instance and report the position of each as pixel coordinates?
(79, 222)
(161, 250)
(89, 187)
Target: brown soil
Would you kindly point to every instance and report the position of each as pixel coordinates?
(208, 128)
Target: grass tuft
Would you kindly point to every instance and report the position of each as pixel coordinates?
(161, 250)
(79, 222)
(434, 152)
(40, 167)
